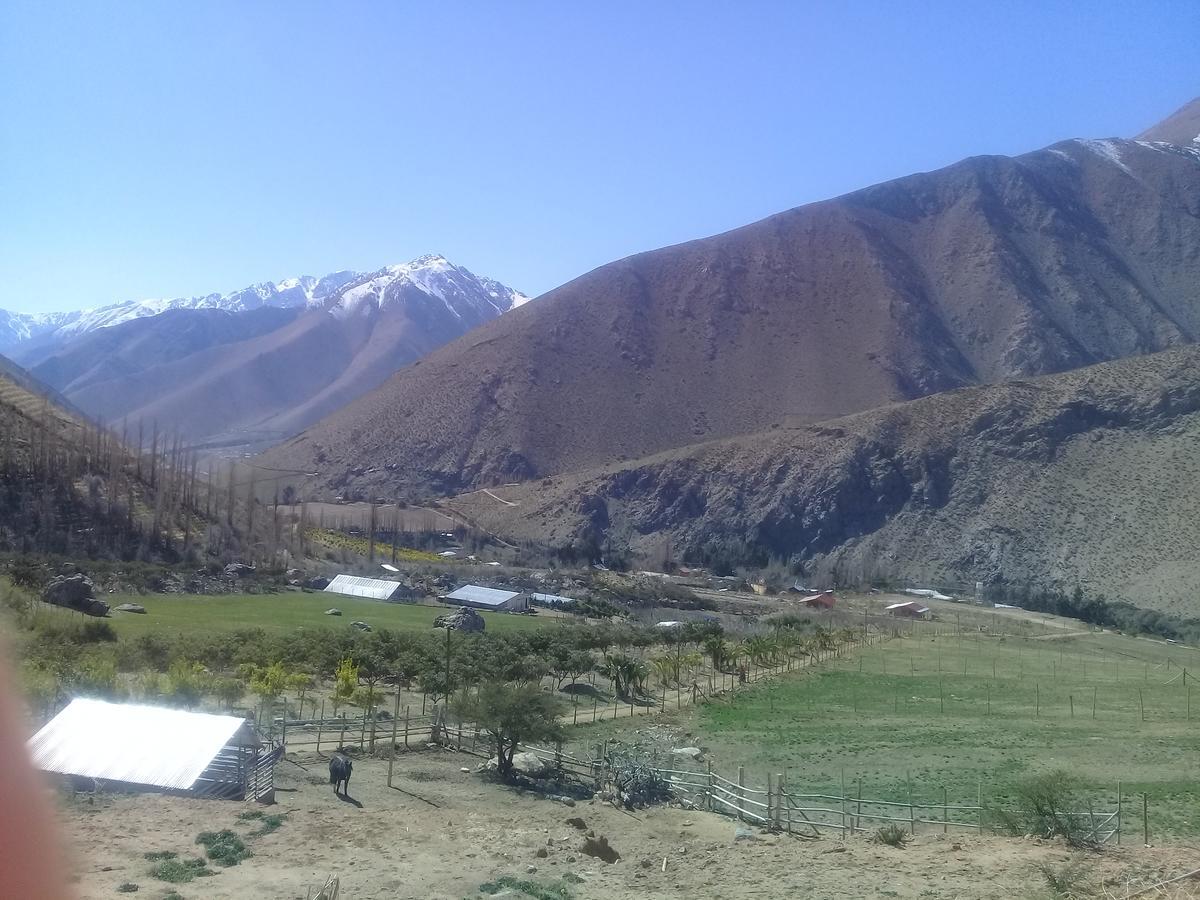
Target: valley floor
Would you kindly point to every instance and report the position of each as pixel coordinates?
(442, 833)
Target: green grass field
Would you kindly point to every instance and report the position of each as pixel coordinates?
(192, 614)
(906, 710)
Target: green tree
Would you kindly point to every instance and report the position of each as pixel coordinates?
(186, 683)
(511, 714)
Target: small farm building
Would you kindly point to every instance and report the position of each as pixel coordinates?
(824, 600)
(488, 598)
(909, 609)
(369, 588)
(549, 600)
(134, 747)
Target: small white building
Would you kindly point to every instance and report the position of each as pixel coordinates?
(550, 600)
(478, 597)
(369, 588)
(133, 746)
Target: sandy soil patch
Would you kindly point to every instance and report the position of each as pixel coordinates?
(445, 832)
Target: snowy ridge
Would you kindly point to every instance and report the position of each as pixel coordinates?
(342, 292)
(459, 290)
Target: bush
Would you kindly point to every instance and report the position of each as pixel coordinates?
(893, 836)
(223, 847)
(1064, 882)
(127, 887)
(175, 871)
(1049, 806)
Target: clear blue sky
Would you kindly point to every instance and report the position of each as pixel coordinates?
(152, 149)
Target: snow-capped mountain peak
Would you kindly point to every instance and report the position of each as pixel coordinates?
(341, 292)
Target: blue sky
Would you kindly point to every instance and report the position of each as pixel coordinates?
(155, 149)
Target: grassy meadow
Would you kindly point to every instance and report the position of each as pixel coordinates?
(183, 614)
(975, 714)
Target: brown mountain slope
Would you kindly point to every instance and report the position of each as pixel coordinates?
(1182, 127)
(990, 269)
(1078, 478)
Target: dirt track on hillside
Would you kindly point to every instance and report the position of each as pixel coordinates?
(444, 832)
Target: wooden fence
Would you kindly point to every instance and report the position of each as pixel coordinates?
(784, 808)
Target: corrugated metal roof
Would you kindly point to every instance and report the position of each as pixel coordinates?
(150, 745)
(473, 593)
(550, 599)
(357, 586)
(908, 604)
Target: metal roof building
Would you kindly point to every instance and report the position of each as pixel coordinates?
(488, 598)
(824, 600)
(154, 746)
(549, 599)
(371, 588)
(911, 608)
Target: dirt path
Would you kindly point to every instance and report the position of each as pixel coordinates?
(444, 832)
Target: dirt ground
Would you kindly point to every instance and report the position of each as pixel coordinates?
(442, 832)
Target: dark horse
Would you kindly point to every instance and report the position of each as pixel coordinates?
(340, 768)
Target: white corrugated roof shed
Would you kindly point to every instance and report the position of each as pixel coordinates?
(550, 599)
(357, 586)
(473, 593)
(150, 745)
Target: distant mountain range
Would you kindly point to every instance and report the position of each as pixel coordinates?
(253, 366)
(990, 269)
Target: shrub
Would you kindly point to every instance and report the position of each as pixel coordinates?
(1064, 882)
(1049, 806)
(127, 887)
(159, 855)
(893, 836)
(223, 847)
(175, 871)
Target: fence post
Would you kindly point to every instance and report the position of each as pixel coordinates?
(406, 708)
(782, 798)
(770, 793)
(912, 813)
(1093, 701)
(858, 808)
(320, 723)
(711, 785)
(1142, 704)
(741, 791)
(843, 804)
(945, 812)
(395, 725)
(1118, 813)
(979, 802)
(1145, 821)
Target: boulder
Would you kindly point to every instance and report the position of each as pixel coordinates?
(742, 833)
(689, 752)
(333, 612)
(465, 619)
(131, 608)
(360, 626)
(238, 570)
(316, 583)
(530, 764)
(74, 592)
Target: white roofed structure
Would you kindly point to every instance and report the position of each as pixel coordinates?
(371, 588)
(488, 598)
(153, 746)
(550, 599)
